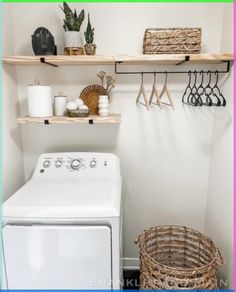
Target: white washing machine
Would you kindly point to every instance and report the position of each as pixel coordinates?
(62, 229)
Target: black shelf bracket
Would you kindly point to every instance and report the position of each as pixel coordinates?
(42, 60)
(186, 59)
(46, 122)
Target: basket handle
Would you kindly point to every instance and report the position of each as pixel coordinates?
(219, 259)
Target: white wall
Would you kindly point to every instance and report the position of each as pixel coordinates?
(165, 154)
(13, 174)
(219, 215)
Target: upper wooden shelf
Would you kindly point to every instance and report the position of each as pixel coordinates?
(126, 59)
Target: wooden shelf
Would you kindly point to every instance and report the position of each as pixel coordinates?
(175, 59)
(111, 119)
(59, 60)
(126, 59)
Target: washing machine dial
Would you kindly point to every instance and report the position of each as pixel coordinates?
(58, 163)
(46, 164)
(76, 164)
(93, 163)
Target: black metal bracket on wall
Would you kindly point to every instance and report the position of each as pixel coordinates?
(46, 122)
(187, 59)
(42, 60)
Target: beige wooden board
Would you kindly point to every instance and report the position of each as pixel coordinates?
(168, 59)
(165, 59)
(60, 60)
(112, 118)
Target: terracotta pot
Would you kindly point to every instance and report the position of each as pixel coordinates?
(90, 49)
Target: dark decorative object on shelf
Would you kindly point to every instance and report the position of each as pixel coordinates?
(43, 42)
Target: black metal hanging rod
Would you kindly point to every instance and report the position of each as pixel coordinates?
(226, 70)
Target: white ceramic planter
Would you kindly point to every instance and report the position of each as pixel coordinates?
(103, 106)
(73, 39)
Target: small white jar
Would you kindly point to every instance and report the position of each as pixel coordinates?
(103, 105)
(60, 102)
(39, 100)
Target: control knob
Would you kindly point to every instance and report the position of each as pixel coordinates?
(58, 163)
(75, 164)
(46, 164)
(93, 163)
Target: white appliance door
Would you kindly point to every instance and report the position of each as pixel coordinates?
(57, 257)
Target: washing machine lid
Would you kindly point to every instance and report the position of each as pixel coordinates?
(65, 199)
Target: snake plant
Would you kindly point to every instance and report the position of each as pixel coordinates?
(72, 22)
(89, 33)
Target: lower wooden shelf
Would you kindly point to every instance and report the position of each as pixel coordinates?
(92, 119)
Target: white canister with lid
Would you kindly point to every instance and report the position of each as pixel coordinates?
(60, 102)
(39, 100)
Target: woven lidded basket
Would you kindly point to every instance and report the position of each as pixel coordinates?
(172, 41)
(175, 257)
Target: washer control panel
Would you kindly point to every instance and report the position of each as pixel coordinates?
(82, 164)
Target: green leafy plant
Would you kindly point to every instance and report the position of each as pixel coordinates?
(89, 33)
(72, 22)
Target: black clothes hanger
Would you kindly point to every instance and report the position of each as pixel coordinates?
(207, 91)
(216, 91)
(188, 88)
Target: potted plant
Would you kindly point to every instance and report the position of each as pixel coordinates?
(72, 24)
(90, 47)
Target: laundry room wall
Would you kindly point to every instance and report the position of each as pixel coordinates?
(13, 174)
(220, 204)
(164, 154)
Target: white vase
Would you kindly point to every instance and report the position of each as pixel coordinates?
(103, 105)
(73, 39)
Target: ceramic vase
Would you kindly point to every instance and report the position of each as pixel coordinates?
(103, 106)
(73, 39)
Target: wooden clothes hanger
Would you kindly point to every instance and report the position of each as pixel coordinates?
(142, 92)
(155, 92)
(165, 90)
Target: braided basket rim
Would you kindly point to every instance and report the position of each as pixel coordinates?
(214, 260)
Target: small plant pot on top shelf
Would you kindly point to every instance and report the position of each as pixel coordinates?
(72, 36)
(73, 43)
(73, 39)
(90, 49)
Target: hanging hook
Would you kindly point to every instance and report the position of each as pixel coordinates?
(142, 77)
(155, 77)
(166, 76)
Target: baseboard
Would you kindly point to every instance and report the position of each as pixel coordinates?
(130, 264)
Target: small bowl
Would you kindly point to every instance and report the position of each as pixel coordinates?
(78, 113)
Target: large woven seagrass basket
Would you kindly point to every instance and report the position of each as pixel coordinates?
(172, 41)
(175, 257)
